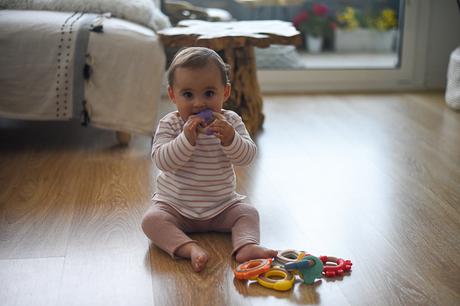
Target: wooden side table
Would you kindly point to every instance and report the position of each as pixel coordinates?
(236, 41)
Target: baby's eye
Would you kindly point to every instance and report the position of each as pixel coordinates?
(209, 93)
(187, 95)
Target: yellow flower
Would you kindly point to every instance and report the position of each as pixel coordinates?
(387, 20)
(348, 18)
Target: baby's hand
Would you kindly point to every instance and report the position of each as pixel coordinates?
(191, 128)
(223, 130)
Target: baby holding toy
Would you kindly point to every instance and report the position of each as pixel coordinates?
(195, 149)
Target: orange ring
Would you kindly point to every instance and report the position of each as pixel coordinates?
(252, 268)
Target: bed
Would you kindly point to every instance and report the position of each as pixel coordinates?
(97, 61)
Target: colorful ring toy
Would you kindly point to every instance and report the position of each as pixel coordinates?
(277, 278)
(252, 268)
(334, 266)
(287, 256)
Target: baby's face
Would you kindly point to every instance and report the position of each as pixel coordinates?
(195, 89)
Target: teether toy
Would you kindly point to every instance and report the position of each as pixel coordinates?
(252, 268)
(277, 278)
(286, 256)
(334, 266)
(208, 117)
(309, 268)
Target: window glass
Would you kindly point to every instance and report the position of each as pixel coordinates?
(336, 34)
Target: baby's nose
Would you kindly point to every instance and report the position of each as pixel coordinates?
(199, 103)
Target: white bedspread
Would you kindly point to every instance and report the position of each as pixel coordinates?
(41, 75)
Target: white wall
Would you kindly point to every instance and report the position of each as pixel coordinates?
(443, 38)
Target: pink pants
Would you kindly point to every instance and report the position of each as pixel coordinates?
(166, 227)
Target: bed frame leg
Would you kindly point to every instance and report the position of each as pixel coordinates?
(123, 138)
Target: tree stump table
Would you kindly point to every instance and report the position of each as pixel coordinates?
(235, 42)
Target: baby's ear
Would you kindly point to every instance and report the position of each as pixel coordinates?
(227, 91)
(171, 94)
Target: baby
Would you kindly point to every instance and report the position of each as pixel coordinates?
(196, 184)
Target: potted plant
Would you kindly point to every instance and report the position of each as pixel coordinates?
(386, 24)
(314, 22)
(351, 34)
(365, 31)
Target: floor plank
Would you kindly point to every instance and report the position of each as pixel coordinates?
(31, 281)
(110, 277)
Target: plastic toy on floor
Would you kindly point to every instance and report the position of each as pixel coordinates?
(252, 268)
(334, 266)
(290, 255)
(309, 268)
(279, 273)
(277, 278)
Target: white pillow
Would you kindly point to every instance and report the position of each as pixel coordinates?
(144, 12)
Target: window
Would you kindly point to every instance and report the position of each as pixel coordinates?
(348, 44)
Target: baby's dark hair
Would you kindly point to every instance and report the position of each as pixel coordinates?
(197, 57)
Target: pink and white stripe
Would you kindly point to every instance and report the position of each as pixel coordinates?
(199, 181)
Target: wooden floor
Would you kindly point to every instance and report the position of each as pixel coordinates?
(371, 178)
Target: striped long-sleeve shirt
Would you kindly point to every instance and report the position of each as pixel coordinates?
(199, 181)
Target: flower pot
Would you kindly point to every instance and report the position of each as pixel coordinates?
(384, 41)
(314, 43)
(364, 40)
(351, 41)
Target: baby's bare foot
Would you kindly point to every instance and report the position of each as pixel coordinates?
(198, 258)
(254, 251)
